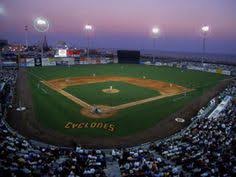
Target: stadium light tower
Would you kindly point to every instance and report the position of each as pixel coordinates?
(155, 35)
(41, 25)
(26, 37)
(205, 29)
(88, 29)
(2, 10)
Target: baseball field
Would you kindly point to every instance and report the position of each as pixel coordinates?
(129, 100)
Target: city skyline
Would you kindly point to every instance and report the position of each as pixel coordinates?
(122, 24)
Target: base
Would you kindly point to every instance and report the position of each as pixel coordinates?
(20, 109)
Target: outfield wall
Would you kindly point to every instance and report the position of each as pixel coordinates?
(70, 61)
(217, 70)
(64, 61)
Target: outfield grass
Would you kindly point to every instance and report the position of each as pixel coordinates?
(54, 110)
(93, 94)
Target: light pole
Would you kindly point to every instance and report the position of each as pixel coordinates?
(26, 37)
(88, 29)
(41, 24)
(21, 108)
(155, 34)
(205, 29)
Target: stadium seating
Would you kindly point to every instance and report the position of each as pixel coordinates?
(205, 148)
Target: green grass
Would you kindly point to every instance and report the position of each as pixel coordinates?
(93, 94)
(53, 110)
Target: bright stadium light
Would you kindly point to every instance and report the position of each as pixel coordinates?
(41, 24)
(205, 29)
(155, 30)
(2, 10)
(88, 28)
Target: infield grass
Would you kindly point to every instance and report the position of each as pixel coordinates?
(93, 94)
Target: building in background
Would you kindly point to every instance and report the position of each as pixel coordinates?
(3, 43)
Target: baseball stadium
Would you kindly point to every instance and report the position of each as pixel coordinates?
(97, 113)
(117, 88)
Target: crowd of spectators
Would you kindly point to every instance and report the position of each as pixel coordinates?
(206, 148)
(144, 162)
(19, 157)
(7, 88)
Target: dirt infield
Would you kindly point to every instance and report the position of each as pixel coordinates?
(162, 87)
(165, 89)
(29, 126)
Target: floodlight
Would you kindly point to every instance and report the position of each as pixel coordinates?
(155, 34)
(155, 30)
(41, 24)
(88, 27)
(2, 10)
(205, 28)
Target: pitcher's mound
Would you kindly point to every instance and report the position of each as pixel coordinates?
(110, 90)
(106, 112)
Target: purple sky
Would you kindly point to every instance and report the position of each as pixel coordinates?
(125, 23)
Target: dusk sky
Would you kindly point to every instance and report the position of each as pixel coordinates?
(125, 23)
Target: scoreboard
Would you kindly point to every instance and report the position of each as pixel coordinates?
(128, 56)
